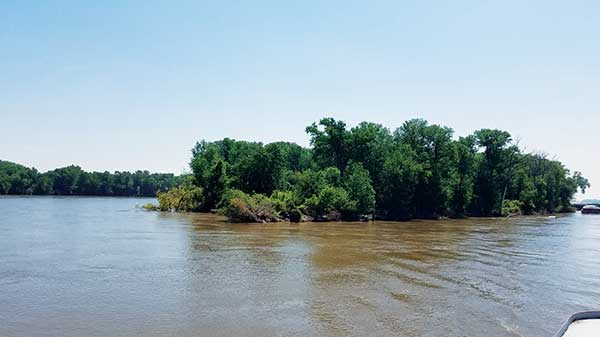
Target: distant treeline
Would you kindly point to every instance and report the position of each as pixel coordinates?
(417, 171)
(72, 180)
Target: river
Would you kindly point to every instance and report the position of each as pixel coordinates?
(86, 266)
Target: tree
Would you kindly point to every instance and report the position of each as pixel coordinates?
(400, 176)
(580, 182)
(462, 182)
(215, 186)
(72, 180)
(332, 202)
(359, 187)
(370, 145)
(433, 149)
(261, 171)
(419, 171)
(66, 179)
(495, 170)
(330, 145)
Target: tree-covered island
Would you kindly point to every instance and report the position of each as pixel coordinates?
(367, 171)
(417, 171)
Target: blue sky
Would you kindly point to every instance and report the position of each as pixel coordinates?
(125, 85)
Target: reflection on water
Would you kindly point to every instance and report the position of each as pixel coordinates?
(100, 266)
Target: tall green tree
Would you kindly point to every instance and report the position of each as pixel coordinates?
(331, 143)
(359, 187)
(370, 145)
(433, 149)
(463, 175)
(496, 167)
(400, 177)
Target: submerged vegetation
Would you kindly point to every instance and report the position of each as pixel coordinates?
(417, 171)
(72, 180)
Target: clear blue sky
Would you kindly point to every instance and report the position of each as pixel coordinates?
(117, 85)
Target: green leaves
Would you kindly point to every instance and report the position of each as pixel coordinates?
(241, 207)
(419, 170)
(184, 198)
(400, 178)
(72, 180)
(360, 189)
(331, 145)
(333, 203)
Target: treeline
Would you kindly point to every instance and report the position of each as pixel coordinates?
(417, 171)
(72, 180)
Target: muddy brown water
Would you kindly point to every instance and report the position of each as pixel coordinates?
(77, 266)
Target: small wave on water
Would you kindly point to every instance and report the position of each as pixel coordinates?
(469, 277)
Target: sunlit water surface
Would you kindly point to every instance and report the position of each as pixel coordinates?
(77, 266)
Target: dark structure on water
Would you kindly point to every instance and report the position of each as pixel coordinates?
(579, 207)
(590, 209)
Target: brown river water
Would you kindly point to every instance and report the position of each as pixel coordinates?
(81, 266)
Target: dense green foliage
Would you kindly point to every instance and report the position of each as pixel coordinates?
(417, 171)
(72, 180)
(241, 207)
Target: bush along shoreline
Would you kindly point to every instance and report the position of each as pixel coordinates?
(419, 170)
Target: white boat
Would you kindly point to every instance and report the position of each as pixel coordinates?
(581, 324)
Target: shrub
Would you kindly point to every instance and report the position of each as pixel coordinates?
(332, 203)
(150, 207)
(184, 198)
(288, 205)
(241, 207)
(511, 207)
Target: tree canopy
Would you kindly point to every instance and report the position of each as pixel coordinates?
(419, 170)
(72, 180)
